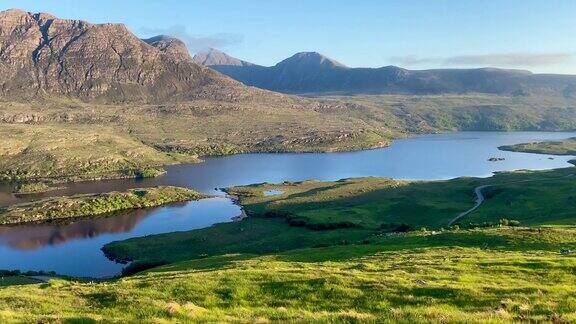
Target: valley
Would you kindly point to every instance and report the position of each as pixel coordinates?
(146, 178)
(422, 272)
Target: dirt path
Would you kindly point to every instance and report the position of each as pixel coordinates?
(480, 197)
(479, 200)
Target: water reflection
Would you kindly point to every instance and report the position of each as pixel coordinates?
(74, 248)
(33, 237)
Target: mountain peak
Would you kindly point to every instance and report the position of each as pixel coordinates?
(14, 12)
(214, 57)
(169, 45)
(310, 60)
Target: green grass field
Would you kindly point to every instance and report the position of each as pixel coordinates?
(565, 147)
(486, 275)
(312, 213)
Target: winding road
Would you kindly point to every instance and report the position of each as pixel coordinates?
(480, 197)
(479, 200)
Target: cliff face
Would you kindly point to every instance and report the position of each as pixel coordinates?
(44, 55)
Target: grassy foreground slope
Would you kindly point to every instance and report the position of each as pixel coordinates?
(93, 204)
(490, 275)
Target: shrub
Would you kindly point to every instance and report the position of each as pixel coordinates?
(513, 223)
(509, 222)
(395, 227)
(139, 266)
(147, 173)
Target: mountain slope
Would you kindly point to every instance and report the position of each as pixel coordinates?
(44, 55)
(81, 100)
(169, 45)
(314, 73)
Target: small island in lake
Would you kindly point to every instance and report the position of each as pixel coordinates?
(564, 147)
(34, 188)
(94, 204)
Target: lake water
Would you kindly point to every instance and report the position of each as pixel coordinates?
(74, 248)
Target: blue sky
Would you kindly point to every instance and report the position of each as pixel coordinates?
(538, 35)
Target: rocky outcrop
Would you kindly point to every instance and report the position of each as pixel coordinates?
(170, 46)
(41, 55)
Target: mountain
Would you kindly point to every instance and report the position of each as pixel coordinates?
(314, 73)
(305, 60)
(90, 101)
(42, 55)
(169, 45)
(214, 57)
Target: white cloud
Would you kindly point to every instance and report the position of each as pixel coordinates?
(499, 59)
(196, 43)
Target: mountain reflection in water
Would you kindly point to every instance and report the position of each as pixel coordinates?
(33, 237)
(74, 247)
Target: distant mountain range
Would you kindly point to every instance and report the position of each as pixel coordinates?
(42, 55)
(313, 73)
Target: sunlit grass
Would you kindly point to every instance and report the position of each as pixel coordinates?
(411, 285)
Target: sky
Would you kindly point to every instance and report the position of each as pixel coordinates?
(537, 35)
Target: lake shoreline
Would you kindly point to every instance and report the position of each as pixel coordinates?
(91, 205)
(163, 169)
(400, 161)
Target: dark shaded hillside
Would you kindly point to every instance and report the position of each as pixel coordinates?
(313, 73)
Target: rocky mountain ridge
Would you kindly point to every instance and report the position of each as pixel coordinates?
(42, 55)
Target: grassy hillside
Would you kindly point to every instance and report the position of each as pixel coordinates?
(490, 275)
(65, 152)
(73, 140)
(470, 112)
(69, 140)
(312, 214)
(93, 204)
